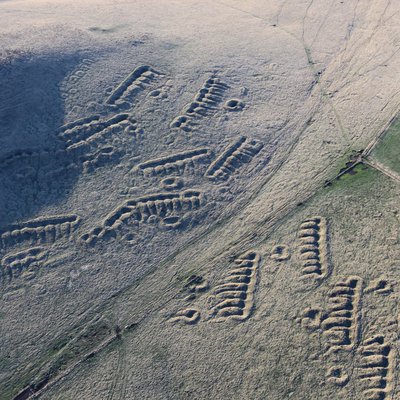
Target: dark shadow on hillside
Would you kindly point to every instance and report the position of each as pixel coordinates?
(35, 170)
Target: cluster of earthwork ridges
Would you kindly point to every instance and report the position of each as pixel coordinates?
(104, 155)
(238, 153)
(95, 130)
(161, 93)
(41, 230)
(194, 286)
(313, 237)
(341, 324)
(79, 122)
(376, 368)
(175, 163)
(67, 85)
(169, 207)
(379, 286)
(205, 101)
(53, 163)
(310, 318)
(134, 129)
(23, 262)
(135, 82)
(79, 159)
(61, 172)
(188, 316)
(24, 157)
(233, 298)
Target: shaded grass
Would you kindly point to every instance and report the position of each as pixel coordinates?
(387, 150)
(358, 178)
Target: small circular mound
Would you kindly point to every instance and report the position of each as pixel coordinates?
(153, 219)
(172, 222)
(172, 183)
(179, 121)
(234, 105)
(155, 93)
(280, 253)
(129, 237)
